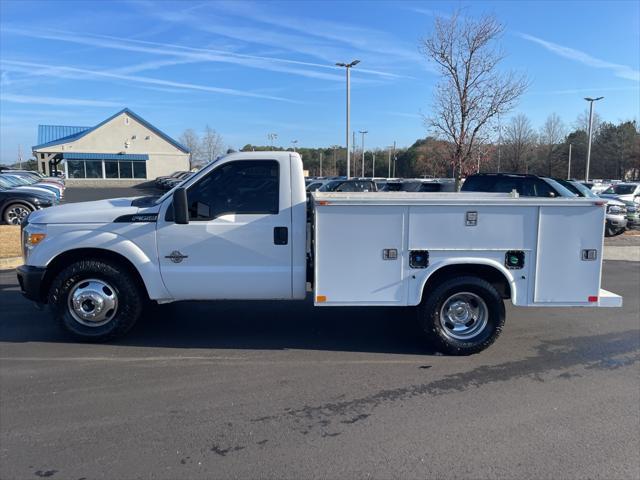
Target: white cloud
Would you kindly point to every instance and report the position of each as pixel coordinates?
(74, 73)
(69, 102)
(622, 71)
(184, 54)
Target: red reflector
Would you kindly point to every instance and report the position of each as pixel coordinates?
(599, 204)
(593, 299)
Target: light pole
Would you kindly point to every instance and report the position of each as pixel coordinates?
(363, 132)
(590, 100)
(373, 165)
(348, 67)
(320, 163)
(272, 137)
(569, 169)
(294, 143)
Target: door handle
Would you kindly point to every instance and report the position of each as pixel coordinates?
(280, 235)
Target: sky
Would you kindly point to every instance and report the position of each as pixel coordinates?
(248, 69)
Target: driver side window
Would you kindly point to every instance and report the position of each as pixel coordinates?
(243, 187)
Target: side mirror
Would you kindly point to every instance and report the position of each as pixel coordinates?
(180, 207)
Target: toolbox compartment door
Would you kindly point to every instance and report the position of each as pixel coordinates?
(350, 267)
(563, 275)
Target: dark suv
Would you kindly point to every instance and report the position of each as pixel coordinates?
(525, 185)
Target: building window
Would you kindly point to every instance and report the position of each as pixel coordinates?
(126, 120)
(42, 156)
(139, 169)
(111, 169)
(76, 168)
(126, 170)
(93, 169)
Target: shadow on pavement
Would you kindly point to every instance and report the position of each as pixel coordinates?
(235, 324)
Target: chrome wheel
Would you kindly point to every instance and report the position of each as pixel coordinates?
(16, 213)
(92, 302)
(463, 316)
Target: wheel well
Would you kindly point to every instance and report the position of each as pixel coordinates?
(491, 274)
(66, 258)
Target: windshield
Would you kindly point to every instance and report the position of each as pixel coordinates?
(584, 190)
(562, 191)
(330, 187)
(620, 189)
(6, 181)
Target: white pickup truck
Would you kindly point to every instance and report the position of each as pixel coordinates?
(244, 228)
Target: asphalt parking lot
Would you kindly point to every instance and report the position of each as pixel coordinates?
(285, 390)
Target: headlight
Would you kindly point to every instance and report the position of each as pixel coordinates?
(616, 209)
(32, 235)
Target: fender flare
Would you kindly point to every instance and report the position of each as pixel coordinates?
(147, 268)
(469, 261)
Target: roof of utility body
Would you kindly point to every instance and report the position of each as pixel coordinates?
(446, 198)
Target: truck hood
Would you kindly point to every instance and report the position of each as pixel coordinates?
(101, 211)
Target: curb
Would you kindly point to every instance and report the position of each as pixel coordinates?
(9, 263)
(626, 253)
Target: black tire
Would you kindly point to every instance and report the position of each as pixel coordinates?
(429, 316)
(130, 299)
(15, 212)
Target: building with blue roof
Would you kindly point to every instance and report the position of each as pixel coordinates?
(124, 148)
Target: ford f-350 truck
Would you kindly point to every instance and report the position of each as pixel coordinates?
(244, 228)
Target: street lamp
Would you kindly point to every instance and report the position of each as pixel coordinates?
(363, 132)
(294, 143)
(272, 137)
(590, 100)
(348, 67)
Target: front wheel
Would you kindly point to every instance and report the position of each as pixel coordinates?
(95, 301)
(15, 213)
(462, 315)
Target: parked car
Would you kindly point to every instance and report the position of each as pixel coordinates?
(37, 176)
(169, 183)
(160, 180)
(623, 191)
(9, 182)
(525, 185)
(616, 214)
(417, 186)
(599, 187)
(633, 214)
(315, 185)
(31, 178)
(352, 185)
(163, 183)
(16, 204)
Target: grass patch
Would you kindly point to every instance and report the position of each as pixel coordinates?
(9, 241)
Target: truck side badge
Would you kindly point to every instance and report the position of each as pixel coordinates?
(176, 256)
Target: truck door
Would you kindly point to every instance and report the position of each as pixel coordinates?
(237, 242)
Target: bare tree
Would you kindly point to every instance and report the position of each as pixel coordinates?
(582, 122)
(190, 139)
(472, 90)
(212, 145)
(552, 134)
(519, 139)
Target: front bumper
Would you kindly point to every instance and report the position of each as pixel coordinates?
(30, 279)
(617, 221)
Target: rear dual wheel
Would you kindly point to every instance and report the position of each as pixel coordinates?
(462, 315)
